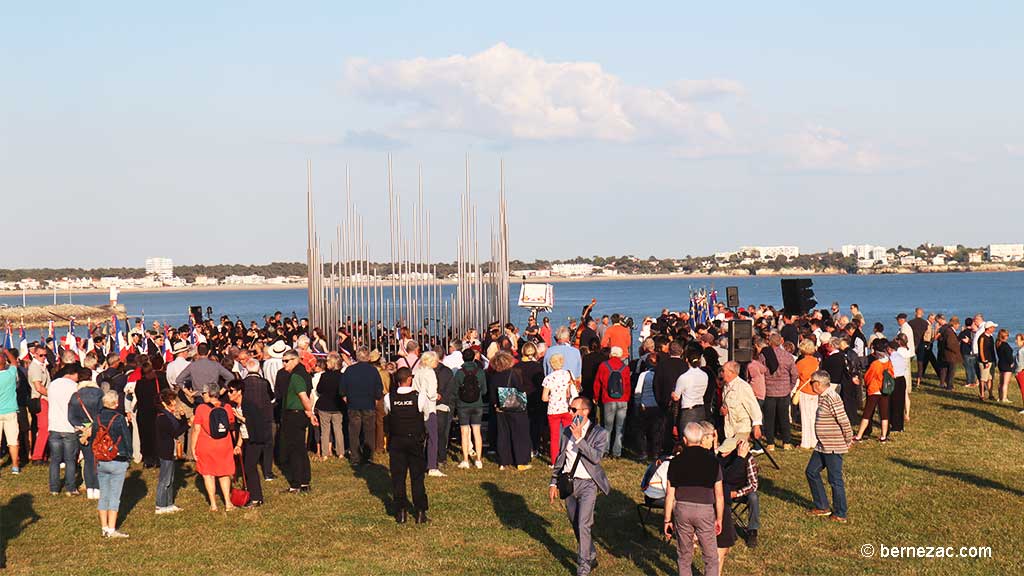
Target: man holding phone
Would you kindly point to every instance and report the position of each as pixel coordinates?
(582, 446)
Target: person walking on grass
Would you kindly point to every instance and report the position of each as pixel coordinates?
(581, 447)
(874, 380)
(834, 435)
(406, 437)
(695, 502)
(111, 473)
(472, 389)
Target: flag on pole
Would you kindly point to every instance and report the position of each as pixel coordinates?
(50, 333)
(8, 338)
(117, 335)
(23, 344)
(192, 330)
(70, 341)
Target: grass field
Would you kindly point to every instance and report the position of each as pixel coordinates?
(953, 479)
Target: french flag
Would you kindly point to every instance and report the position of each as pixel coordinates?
(51, 333)
(117, 335)
(70, 341)
(23, 345)
(8, 338)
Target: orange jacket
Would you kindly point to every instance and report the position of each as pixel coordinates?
(873, 377)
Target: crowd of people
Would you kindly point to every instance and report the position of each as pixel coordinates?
(236, 401)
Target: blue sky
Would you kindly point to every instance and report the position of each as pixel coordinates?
(130, 130)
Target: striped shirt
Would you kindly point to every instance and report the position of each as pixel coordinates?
(831, 425)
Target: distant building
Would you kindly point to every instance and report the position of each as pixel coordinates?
(771, 252)
(975, 257)
(530, 273)
(950, 249)
(865, 252)
(1005, 252)
(159, 267)
(572, 269)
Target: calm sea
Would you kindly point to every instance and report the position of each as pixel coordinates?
(997, 295)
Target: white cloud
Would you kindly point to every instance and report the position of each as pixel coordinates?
(821, 148)
(503, 93)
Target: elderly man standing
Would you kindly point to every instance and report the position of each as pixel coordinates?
(834, 435)
(695, 502)
(739, 405)
(203, 374)
(296, 416)
(570, 354)
(778, 382)
(582, 445)
(361, 388)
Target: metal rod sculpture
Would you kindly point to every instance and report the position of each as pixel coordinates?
(374, 305)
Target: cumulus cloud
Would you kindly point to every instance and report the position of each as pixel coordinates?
(505, 94)
(821, 148)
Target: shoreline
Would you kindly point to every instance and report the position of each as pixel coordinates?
(512, 280)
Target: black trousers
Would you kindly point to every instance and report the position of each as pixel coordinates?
(538, 413)
(252, 454)
(897, 405)
(294, 456)
(513, 438)
(649, 430)
(407, 458)
(850, 394)
(925, 356)
(776, 417)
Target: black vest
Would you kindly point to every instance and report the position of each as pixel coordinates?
(406, 418)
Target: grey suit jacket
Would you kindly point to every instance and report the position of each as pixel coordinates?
(591, 449)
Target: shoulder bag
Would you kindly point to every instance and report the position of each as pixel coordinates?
(564, 481)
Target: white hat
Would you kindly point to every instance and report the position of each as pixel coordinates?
(179, 347)
(616, 352)
(277, 349)
(990, 324)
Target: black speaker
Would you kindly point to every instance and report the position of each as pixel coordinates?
(741, 340)
(797, 296)
(197, 313)
(732, 296)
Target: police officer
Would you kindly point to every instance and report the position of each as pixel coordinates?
(405, 445)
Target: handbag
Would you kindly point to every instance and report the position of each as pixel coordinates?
(794, 394)
(888, 383)
(510, 398)
(564, 480)
(240, 496)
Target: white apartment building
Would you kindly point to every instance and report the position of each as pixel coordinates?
(771, 252)
(1005, 252)
(160, 267)
(572, 269)
(864, 252)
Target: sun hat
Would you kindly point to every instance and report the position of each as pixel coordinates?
(277, 349)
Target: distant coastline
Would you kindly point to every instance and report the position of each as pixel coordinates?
(62, 294)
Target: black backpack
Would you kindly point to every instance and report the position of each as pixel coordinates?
(469, 389)
(219, 423)
(615, 387)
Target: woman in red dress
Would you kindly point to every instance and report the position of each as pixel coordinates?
(215, 457)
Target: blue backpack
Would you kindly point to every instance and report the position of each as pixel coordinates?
(616, 388)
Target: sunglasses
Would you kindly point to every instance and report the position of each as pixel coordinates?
(573, 410)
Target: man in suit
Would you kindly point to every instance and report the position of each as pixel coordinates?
(668, 370)
(586, 441)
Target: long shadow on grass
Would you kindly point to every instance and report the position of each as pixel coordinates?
(770, 488)
(133, 492)
(378, 482)
(513, 512)
(17, 515)
(984, 415)
(961, 476)
(616, 530)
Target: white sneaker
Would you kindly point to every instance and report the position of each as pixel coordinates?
(436, 473)
(479, 464)
(464, 464)
(116, 534)
(163, 510)
(174, 508)
(92, 493)
(1021, 412)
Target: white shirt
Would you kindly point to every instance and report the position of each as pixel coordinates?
(175, 368)
(59, 394)
(909, 333)
(901, 362)
(571, 454)
(453, 360)
(271, 366)
(690, 387)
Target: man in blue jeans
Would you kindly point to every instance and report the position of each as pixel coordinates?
(612, 389)
(63, 439)
(832, 428)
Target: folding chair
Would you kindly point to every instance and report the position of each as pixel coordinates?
(740, 513)
(651, 505)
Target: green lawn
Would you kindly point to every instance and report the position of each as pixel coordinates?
(954, 479)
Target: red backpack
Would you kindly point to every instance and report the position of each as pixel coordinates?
(104, 448)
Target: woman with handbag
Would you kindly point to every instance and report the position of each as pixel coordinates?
(559, 391)
(212, 444)
(875, 380)
(508, 390)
